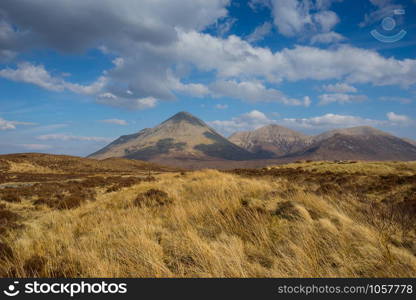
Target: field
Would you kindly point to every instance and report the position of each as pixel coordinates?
(72, 217)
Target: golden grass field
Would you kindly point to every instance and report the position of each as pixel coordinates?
(316, 219)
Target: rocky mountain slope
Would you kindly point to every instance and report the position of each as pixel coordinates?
(273, 139)
(182, 137)
(364, 143)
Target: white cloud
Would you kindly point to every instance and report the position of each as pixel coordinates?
(402, 100)
(252, 91)
(151, 38)
(260, 32)
(224, 27)
(234, 58)
(9, 125)
(37, 75)
(340, 98)
(327, 38)
(248, 121)
(221, 106)
(256, 119)
(304, 17)
(256, 4)
(329, 121)
(399, 119)
(129, 103)
(68, 137)
(339, 87)
(193, 89)
(115, 121)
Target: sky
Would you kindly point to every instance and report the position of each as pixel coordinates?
(76, 74)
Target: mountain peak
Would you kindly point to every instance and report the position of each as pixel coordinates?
(182, 136)
(184, 116)
(352, 131)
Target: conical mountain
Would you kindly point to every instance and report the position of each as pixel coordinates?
(274, 139)
(182, 136)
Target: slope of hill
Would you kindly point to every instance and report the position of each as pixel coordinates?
(48, 163)
(182, 137)
(410, 141)
(320, 219)
(362, 142)
(352, 131)
(358, 143)
(273, 139)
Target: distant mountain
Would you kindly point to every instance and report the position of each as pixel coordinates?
(185, 141)
(353, 131)
(410, 141)
(363, 143)
(272, 139)
(182, 137)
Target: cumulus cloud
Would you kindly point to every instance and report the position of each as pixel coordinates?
(339, 87)
(233, 57)
(135, 104)
(224, 27)
(399, 119)
(253, 92)
(329, 121)
(340, 98)
(221, 106)
(256, 119)
(37, 75)
(68, 137)
(248, 121)
(152, 38)
(402, 100)
(9, 125)
(115, 122)
(327, 38)
(260, 32)
(304, 17)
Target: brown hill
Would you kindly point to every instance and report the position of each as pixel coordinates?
(48, 163)
(364, 143)
(182, 137)
(272, 139)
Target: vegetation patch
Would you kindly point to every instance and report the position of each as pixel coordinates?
(153, 198)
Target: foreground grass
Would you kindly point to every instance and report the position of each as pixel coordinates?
(210, 224)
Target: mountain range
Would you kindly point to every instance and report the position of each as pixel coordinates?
(184, 140)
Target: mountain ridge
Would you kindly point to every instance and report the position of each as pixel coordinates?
(185, 139)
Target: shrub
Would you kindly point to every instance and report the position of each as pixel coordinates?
(153, 198)
(5, 251)
(34, 265)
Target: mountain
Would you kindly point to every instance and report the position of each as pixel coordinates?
(363, 143)
(410, 141)
(353, 131)
(271, 139)
(182, 137)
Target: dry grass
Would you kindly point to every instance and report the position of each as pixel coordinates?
(213, 224)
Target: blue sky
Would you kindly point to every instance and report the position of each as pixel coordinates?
(76, 74)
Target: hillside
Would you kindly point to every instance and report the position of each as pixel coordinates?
(319, 219)
(273, 139)
(356, 143)
(362, 143)
(48, 163)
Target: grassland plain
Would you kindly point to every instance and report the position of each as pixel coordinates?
(306, 219)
